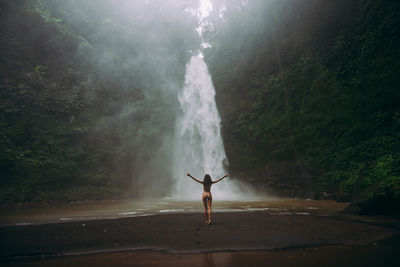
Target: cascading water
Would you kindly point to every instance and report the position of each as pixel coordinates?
(198, 146)
(198, 143)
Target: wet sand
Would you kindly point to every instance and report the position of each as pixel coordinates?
(111, 209)
(281, 232)
(186, 233)
(383, 253)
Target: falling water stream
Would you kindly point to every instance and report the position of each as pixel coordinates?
(198, 143)
(198, 146)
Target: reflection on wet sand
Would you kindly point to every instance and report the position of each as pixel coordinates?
(208, 259)
(266, 227)
(377, 254)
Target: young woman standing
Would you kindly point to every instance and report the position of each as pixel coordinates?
(207, 197)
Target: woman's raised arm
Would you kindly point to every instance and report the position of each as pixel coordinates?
(188, 174)
(216, 181)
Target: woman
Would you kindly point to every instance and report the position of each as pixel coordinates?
(207, 197)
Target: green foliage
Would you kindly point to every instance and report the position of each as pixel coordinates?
(319, 90)
(45, 13)
(45, 109)
(386, 175)
(86, 96)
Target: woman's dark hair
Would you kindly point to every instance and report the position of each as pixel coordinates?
(207, 180)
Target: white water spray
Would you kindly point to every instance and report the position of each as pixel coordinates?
(198, 143)
(198, 146)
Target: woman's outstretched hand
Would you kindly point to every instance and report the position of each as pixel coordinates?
(216, 181)
(188, 174)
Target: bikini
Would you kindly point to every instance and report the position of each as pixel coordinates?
(207, 193)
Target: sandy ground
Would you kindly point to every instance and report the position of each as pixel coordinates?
(383, 253)
(186, 233)
(34, 213)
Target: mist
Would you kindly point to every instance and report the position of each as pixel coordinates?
(142, 47)
(114, 90)
(136, 54)
(113, 111)
(113, 73)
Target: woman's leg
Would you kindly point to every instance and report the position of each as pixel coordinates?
(205, 208)
(209, 209)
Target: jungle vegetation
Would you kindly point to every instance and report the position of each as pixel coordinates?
(316, 84)
(88, 94)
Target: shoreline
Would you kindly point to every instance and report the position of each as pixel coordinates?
(388, 239)
(185, 234)
(382, 253)
(118, 209)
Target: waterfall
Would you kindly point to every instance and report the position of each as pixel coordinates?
(198, 146)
